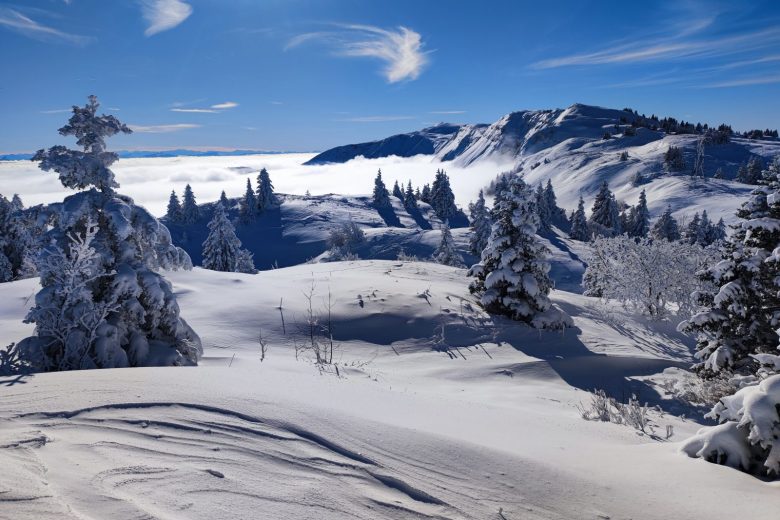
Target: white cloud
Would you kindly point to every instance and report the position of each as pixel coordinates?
(22, 24)
(56, 111)
(760, 80)
(401, 50)
(162, 129)
(225, 105)
(162, 15)
(375, 119)
(195, 110)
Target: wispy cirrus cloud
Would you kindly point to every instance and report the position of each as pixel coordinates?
(162, 129)
(22, 24)
(375, 119)
(162, 15)
(400, 49)
(757, 80)
(213, 109)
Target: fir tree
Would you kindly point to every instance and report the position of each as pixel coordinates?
(604, 216)
(397, 193)
(480, 225)
(6, 269)
(410, 202)
(579, 224)
(666, 227)
(190, 213)
(222, 247)
(266, 198)
(101, 304)
(542, 209)
(16, 203)
(556, 214)
(512, 277)
(640, 218)
(173, 212)
(426, 194)
(692, 229)
(381, 195)
(446, 253)
(248, 208)
(224, 200)
(442, 198)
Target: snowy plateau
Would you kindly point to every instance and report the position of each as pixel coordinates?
(429, 406)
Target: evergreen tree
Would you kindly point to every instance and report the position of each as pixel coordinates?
(101, 304)
(222, 247)
(640, 218)
(442, 198)
(174, 208)
(542, 209)
(426, 194)
(579, 224)
(719, 174)
(190, 213)
(245, 262)
(738, 325)
(16, 203)
(705, 230)
(556, 214)
(666, 228)
(692, 229)
(381, 195)
(266, 198)
(248, 208)
(674, 160)
(480, 225)
(446, 253)
(6, 269)
(512, 277)
(397, 191)
(410, 202)
(224, 200)
(604, 216)
(718, 232)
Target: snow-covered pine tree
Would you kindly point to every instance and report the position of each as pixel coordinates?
(381, 195)
(426, 194)
(640, 218)
(248, 207)
(579, 223)
(410, 202)
(705, 230)
(717, 232)
(614, 212)
(692, 229)
(397, 193)
(741, 317)
(6, 269)
(445, 253)
(480, 225)
(189, 208)
(224, 201)
(666, 228)
(173, 212)
(512, 277)
(101, 304)
(545, 217)
(245, 262)
(442, 198)
(16, 203)
(222, 247)
(266, 198)
(557, 214)
(604, 216)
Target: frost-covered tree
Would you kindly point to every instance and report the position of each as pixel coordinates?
(101, 304)
(6, 270)
(512, 277)
(446, 253)
(19, 233)
(604, 216)
(397, 193)
(666, 227)
(717, 232)
(542, 209)
(410, 201)
(740, 316)
(381, 195)
(222, 248)
(748, 437)
(245, 262)
(652, 276)
(425, 195)
(691, 234)
(674, 160)
(190, 213)
(579, 223)
(640, 218)
(442, 198)
(173, 213)
(248, 208)
(557, 214)
(16, 203)
(224, 200)
(266, 198)
(344, 240)
(480, 225)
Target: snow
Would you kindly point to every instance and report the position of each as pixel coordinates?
(406, 432)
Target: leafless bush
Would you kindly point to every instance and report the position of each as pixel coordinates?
(608, 409)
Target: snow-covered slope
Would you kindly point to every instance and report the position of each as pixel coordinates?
(405, 431)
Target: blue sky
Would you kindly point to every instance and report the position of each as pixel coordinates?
(308, 75)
